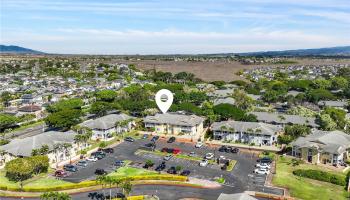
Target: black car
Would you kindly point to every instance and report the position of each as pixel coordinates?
(129, 139)
(119, 163)
(161, 167)
(70, 168)
(172, 170)
(150, 145)
(223, 149)
(185, 173)
(100, 171)
(265, 160)
(108, 150)
(171, 140)
(155, 138)
(235, 150)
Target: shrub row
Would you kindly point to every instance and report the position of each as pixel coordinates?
(321, 176)
(83, 184)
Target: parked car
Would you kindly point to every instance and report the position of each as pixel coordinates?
(172, 170)
(265, 160)
(100, 171)
(119, 163)
(168, 157)
(203, 163)
(155, 138)
(129, 139)
(92, 159)
(161, 167)
(171, 139)
(199, 144)
(185, 173)
(150, 145)
(192, 154)
(234, 150)
(70, 168)
(108, 150)
(171, 150)
(261, 171)
(209, 156)
(263, 165)
(223, 148)
(60, 173)
(82, 163)
(145, 136)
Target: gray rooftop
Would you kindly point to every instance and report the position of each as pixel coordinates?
(238, 126)
(284, 119)
(228, 100)
(105, 122)
(174, 119)
(332, 103)
(24, 147)
(335, 142)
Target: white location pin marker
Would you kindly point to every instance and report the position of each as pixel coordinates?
(164, 99)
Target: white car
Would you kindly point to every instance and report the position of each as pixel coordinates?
(192, 154)
(262, 171)
(199, 144)
(263, 165)
(209, 156)
(203, 163)
(93, 159)
(168, 157)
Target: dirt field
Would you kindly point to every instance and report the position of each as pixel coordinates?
(211, 71)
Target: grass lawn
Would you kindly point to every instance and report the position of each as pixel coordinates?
(131, 171)
(231, 165)
(40, 180)
(304, 188)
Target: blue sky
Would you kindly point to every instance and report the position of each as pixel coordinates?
(177, 26)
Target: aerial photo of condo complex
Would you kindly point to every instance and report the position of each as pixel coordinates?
(174, 100)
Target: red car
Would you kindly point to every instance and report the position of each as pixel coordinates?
(61, 173)
(171, 150)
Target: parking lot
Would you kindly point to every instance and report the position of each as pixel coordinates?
(240, 178)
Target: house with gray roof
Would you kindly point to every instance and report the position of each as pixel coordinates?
(175, 124)
(104, 127)
(53, 139)
(283, 119)
(337, 104)
(256, 133)
(327, 147)
(227, 100)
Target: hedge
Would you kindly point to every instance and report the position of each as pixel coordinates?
(321, 176)
(83, 184)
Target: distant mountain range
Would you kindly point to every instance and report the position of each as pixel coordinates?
(11, 49)
(331, 51)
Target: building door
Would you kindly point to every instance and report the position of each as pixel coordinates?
(309, 155)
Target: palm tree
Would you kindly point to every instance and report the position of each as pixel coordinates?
(67, 147)
(127, 187)
(101, 180)
(117, 182)
(57, 148)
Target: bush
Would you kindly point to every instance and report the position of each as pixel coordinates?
(321, 176)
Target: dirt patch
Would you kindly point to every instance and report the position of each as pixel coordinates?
(219, 70)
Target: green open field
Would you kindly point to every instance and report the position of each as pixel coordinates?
(304, 188)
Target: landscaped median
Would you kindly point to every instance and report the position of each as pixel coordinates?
(69, 186)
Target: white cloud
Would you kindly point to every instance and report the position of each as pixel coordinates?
(107, 41)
